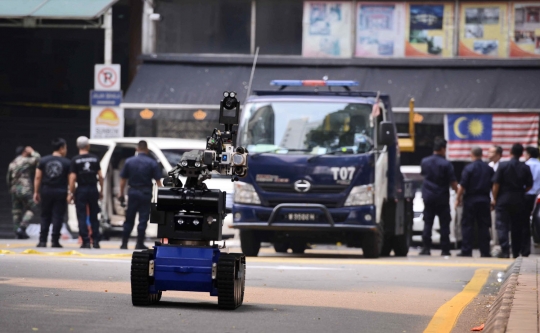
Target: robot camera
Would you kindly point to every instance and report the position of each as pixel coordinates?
(229, 110)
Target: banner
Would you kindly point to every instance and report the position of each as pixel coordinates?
(466, 130)
(430, 30)
(525, 26)
(379, 30)
(327, 29)
(483, 30)
(106, 122)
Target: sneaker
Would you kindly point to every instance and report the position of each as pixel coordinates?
(85, 246)
(56, 244)
(503, 255)
(462, 254)
(41, 244)
(96, 245)
(425, 252)
(140, 246)
(446, 254)
(21, 233)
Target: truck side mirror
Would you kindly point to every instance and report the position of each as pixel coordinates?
(387, 133)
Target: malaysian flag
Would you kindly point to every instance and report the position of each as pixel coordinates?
(465, 130)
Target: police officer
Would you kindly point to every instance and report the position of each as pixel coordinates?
(53, 173)
(510, 183)
(139, 171)
(438, 176)
(86, 172)
(531, 159)
(20, 180)
(476, 184)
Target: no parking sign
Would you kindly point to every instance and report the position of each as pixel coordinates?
(107, 77)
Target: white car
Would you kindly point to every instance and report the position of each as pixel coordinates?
(412, 172)
(113, 154)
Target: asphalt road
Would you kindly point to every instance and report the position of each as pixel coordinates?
(327, 290)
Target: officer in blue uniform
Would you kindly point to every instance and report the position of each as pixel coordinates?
(139, 172)
(438, 177)
(475, 188)
(510, 183)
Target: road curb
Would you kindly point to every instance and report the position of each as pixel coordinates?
(516, 307)
(499, 312)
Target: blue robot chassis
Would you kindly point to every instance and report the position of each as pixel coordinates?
(190, 219)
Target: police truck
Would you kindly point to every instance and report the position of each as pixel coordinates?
(324, 167)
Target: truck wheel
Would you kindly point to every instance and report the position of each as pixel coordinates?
(281, 247)
(140, 281)
(402, 243)
(387, 246)
(372, 243)
(298, 248)
(250, 243)
(231, 277)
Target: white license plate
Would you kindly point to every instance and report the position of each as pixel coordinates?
(301, 217)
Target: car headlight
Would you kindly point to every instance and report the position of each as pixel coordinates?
(360, 195)
(245, 193)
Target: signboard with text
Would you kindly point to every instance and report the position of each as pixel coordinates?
(106, 122)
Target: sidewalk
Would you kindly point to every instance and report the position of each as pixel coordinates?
(516, 308)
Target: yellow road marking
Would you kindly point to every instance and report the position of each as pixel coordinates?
(446, 317)
(288, 260)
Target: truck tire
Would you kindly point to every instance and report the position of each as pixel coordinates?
(281, 247)
(372, 243)
(250, 243)
(402, 243)
(298, 248)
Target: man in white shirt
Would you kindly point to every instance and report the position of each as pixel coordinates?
(531, 157)
(494, 155)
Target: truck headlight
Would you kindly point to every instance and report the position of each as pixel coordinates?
(360, 195)
(245, 193)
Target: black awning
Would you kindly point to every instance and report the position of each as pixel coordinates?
(199, 83)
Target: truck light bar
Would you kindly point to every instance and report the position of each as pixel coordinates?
(314, 83)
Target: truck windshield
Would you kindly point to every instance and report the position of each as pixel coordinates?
(306, 128)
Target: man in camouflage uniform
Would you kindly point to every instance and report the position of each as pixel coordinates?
(20, 180)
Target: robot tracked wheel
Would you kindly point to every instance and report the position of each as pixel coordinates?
(189, 217)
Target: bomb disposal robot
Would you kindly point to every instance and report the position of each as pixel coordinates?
(190, 217)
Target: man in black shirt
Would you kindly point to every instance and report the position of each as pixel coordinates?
(438, 177)
(85, 171)
(52, 172)
(476, 184)
(510, 183)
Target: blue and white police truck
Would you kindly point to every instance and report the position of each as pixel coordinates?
(324, 167)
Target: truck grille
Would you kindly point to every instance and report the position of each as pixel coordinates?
(274, 203)
(288, 188)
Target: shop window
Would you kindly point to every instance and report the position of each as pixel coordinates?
(279, 26)
(210, 26)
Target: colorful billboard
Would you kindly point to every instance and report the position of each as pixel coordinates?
(429, 30)
(327, 29)
(525, 25)
(483, 30)
(379, 29)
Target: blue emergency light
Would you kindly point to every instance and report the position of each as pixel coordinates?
(314, 83)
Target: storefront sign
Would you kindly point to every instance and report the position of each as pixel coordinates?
(106, 122)
(430, 30)
(327, 29)
(525, 25)
(379, 30)
(483, 30)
